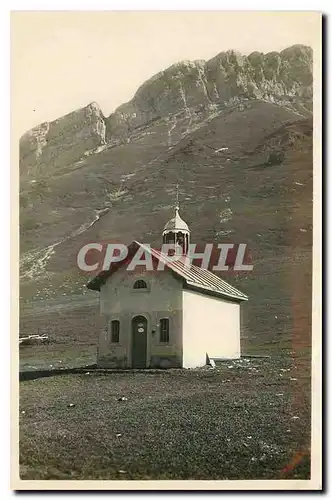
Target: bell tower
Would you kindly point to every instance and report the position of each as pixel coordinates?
(176, 232)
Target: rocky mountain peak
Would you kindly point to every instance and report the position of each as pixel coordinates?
(51, 144)
(187, 91)
(193, 86)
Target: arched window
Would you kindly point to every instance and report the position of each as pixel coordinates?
(140, 284)
(164, 330)
(115, 331)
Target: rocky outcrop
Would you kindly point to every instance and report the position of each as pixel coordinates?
(190, 87)
(63, 141)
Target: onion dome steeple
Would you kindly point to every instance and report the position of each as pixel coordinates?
(176, 231)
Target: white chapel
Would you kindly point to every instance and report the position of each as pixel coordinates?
(181, 316)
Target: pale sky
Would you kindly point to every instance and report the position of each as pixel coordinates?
(61, 60)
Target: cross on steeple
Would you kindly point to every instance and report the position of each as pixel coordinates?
(177, 206)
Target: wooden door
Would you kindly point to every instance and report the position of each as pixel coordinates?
(139, 342)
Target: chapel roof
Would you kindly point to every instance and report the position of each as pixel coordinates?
(194, 277)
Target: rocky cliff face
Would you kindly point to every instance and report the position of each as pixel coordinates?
(63, 141)
(191, 90)
(202, 87)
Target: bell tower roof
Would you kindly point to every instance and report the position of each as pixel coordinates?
(176, 223)
(176, 232)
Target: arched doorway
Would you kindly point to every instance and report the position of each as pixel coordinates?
(139, 342)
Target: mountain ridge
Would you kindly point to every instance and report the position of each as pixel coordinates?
(212, 85)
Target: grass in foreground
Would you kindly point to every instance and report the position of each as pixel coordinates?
(244, 420)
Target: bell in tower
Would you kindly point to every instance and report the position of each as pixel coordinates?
(176, 232)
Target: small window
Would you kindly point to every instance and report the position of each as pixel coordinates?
(139, 284)
(164, 330)
(115, 331)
